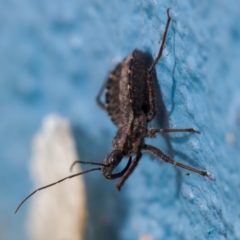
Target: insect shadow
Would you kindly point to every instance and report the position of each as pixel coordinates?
(130, 102)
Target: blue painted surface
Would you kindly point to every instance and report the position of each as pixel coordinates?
(55, 56)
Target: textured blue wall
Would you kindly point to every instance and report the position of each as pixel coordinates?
(55, 56)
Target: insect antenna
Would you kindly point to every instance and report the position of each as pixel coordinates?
(49, 185)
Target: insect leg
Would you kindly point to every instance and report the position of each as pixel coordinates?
(129, 171)
(98, 98)
(151, 132)
(157, 152)
(162, 44)
(120, 174)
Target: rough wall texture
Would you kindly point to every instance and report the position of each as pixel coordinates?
(55, 56)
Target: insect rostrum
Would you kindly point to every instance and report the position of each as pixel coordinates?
(130, 103)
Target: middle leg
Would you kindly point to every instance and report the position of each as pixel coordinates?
(151, 132)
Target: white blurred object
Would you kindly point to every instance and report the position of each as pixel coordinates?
(58, 212)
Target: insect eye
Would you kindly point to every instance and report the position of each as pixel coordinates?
(117, 156)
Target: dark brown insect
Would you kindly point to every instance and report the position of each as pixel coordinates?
(130, 103)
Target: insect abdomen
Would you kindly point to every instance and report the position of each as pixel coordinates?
(139, 95)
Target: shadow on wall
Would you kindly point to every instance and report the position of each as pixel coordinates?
(162, 118)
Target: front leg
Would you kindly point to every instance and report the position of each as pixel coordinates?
(129, 171)
(152, 131)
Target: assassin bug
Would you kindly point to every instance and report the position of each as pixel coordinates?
(130, 103)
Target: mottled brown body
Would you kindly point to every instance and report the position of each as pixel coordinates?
(130, 103)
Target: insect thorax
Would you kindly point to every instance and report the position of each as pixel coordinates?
(130, 136)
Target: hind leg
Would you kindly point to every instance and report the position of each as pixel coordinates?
(162, 44)
(150, 72)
